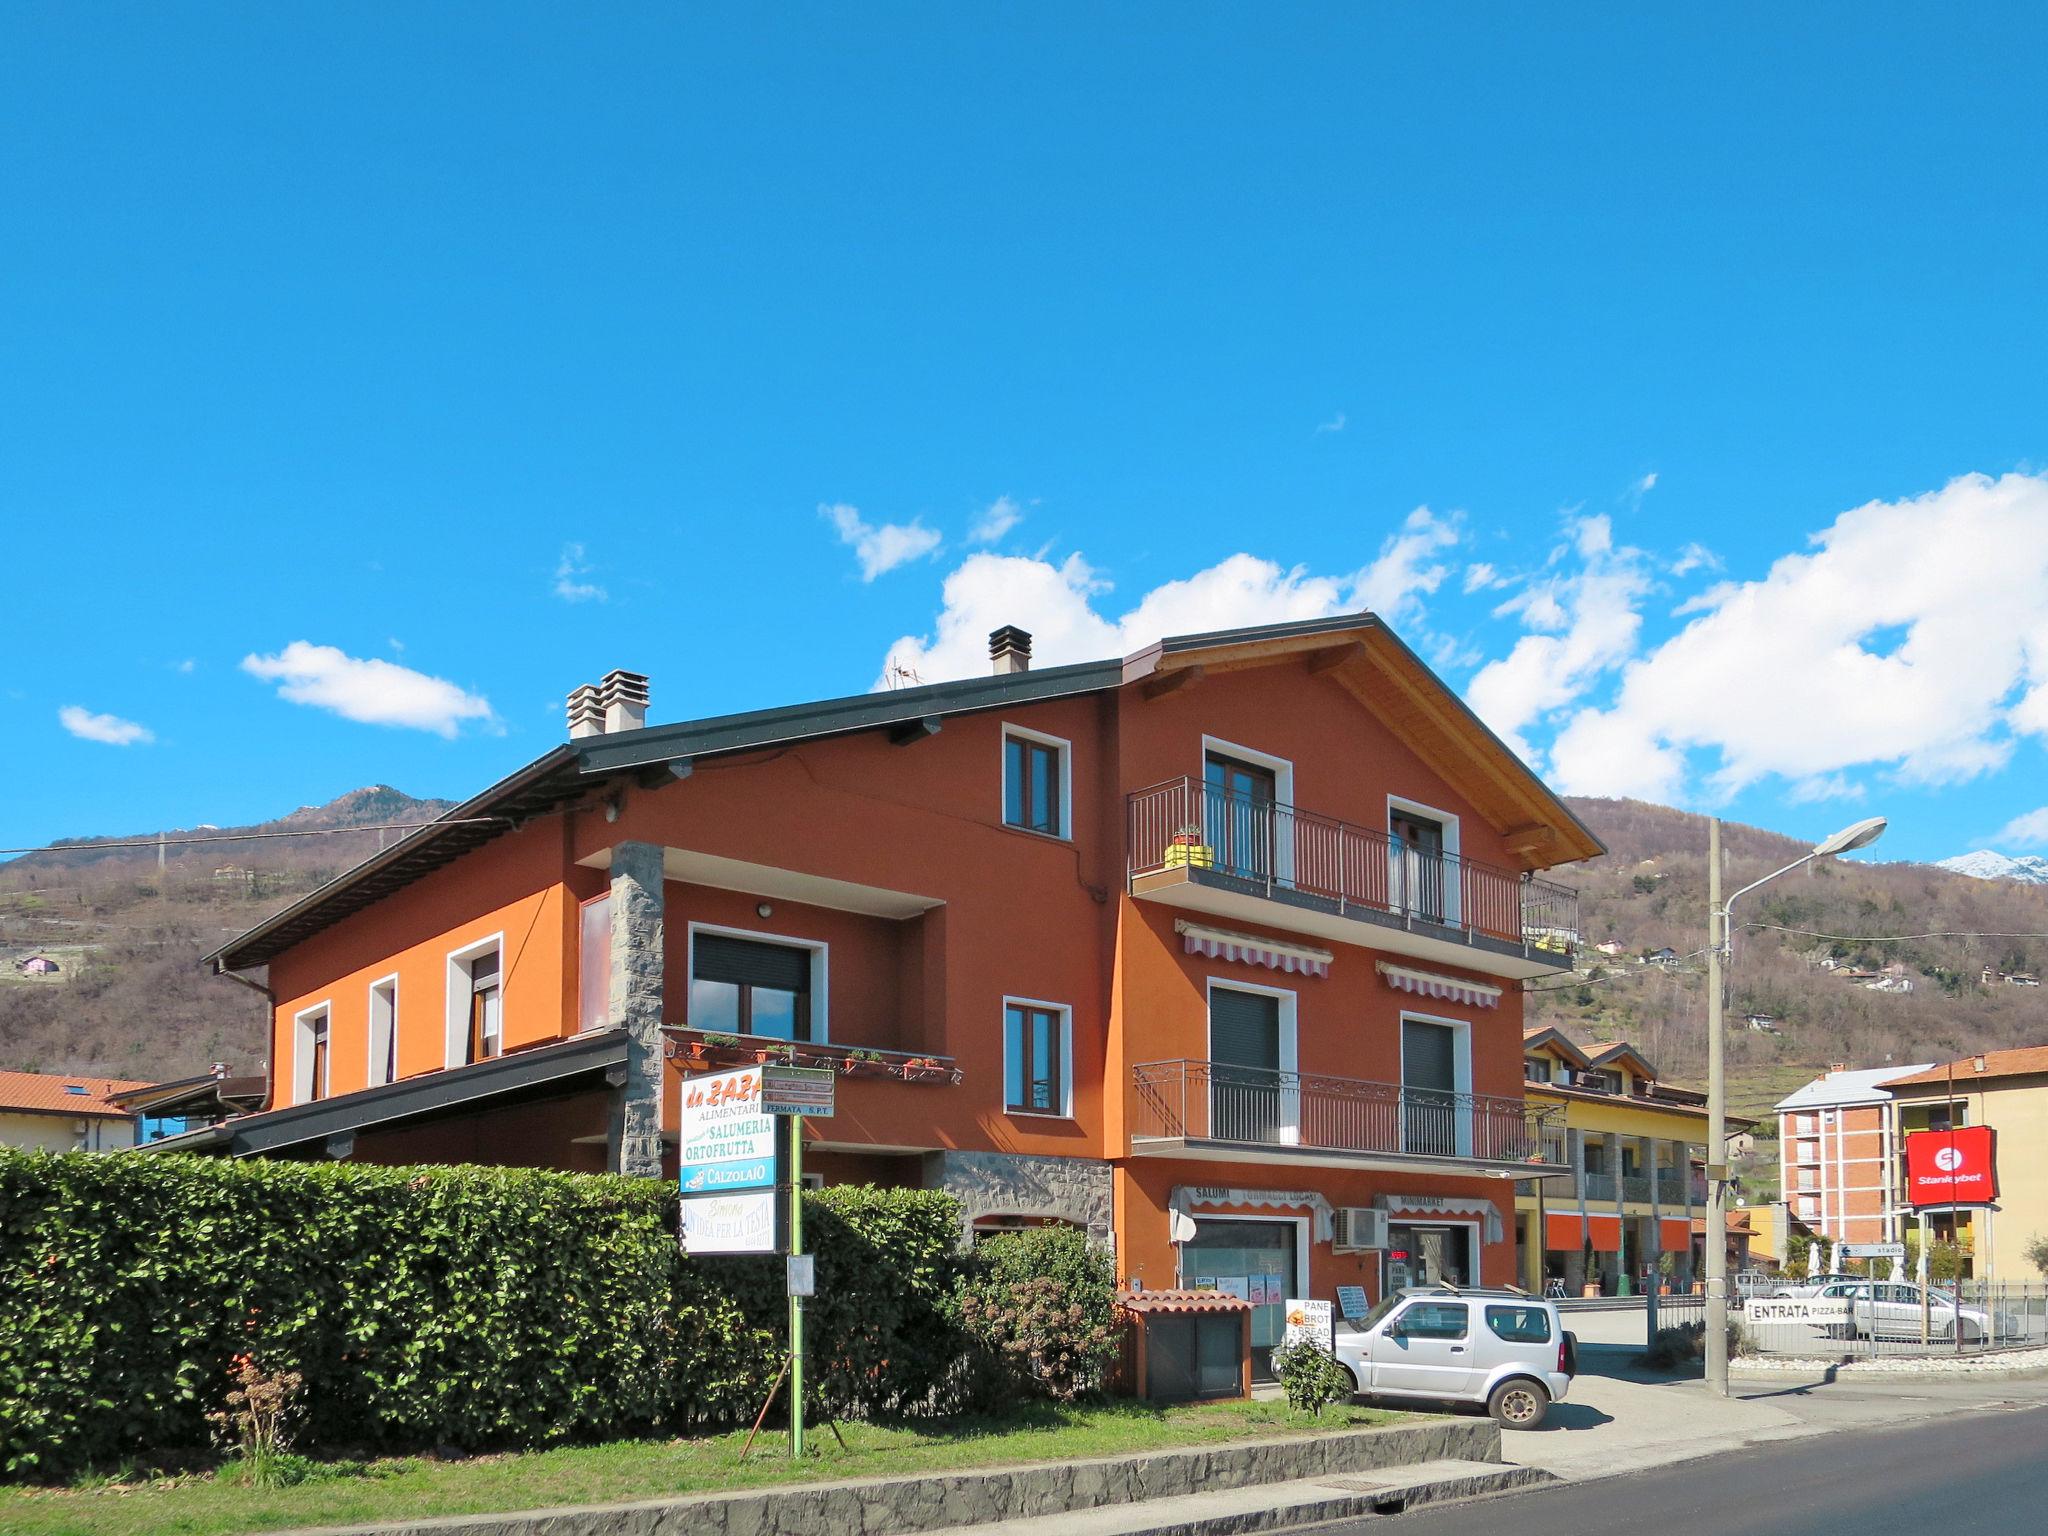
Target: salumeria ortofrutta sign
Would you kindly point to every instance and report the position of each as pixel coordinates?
(726, 1141)
(1955, 1167)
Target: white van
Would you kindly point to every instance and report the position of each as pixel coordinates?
(1464, 1344)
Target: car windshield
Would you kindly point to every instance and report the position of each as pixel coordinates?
(1379, 1313)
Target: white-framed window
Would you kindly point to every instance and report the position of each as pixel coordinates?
(1424, 877)
(476, 1002)
(1038, 1057)
(745, 982)
(1248, 810)
(383, 1032)
(1254, 1092)
(1436, 1085)
(1038, 782)
(311, 1053)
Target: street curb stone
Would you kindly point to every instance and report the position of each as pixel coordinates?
(903, 1505)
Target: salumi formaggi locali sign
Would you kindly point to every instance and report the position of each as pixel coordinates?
(729, 1167)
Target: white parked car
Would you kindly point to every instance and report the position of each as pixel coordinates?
(1879, 1309)
(1464, 1344)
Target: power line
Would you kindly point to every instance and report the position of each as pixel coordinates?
(1888, 938)
(246, 837)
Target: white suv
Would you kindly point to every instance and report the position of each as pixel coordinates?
(1464, 1344)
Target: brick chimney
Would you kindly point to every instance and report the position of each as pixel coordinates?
(1009, 648)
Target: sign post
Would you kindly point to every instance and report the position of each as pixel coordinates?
(792, 1093)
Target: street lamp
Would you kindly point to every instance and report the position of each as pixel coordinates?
(1860, 835)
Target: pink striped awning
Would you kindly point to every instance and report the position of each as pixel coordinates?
(1455, 989)
(1250, 949)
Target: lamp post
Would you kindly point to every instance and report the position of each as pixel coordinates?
(1861, 835)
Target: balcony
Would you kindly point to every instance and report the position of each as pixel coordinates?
(1194, 846)
(1211, 1110)
(1600, 1186)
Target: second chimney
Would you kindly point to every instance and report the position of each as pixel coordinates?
(624, 695)
(1009, 648)
(586, 712)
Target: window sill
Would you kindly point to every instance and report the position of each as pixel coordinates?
(1038, 1114)
(1034, 833)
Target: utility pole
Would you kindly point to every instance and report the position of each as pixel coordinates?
(1717, 1132)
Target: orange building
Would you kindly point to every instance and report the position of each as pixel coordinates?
(1215, 950)
(1838, 1148)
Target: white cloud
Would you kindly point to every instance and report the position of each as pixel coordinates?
(1695, 557)
(880, 549)
(1585, 623)
(1829, 786)
(109, 729)
(1334, 424)
(1773, 676)
(1647, 484)
(1000, 516)
(1483, 578)
(372, 691)
(572, 578)
(2028, 831)
(187, 666)
(1061, 605)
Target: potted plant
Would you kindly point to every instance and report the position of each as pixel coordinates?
(1186, 847)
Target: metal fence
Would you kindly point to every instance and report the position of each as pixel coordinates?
(1188, 823)
(1878, 1319)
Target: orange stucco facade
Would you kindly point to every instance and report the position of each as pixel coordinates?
(890, 860)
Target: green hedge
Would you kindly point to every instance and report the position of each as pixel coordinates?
(465, 1306)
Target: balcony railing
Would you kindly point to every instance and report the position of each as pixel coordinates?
(1672, 1185)
(1253, 1106)
(1600, 1186)
(1266, 846)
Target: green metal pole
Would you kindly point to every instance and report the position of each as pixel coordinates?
(796, 1303)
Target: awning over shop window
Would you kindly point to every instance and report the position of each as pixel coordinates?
(1674, 1234)
(1605, 1232)
(1566, 1234)
(1474, 994)
(1250, 949)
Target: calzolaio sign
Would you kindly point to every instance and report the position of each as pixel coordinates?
(1957, 1167)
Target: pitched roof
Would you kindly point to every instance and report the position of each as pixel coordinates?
(1621, 1050)
(1864, 1086)
(1551, 1035)
(48, 1093)
(1362, 655)
(2026, 1061)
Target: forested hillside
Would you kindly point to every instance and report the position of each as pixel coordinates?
(1650, 892)
(129, 998)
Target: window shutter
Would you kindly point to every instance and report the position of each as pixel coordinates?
(748, 962)
(1244, 1029)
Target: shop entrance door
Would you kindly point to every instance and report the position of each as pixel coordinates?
(1426, 1255)
(1252, 1259)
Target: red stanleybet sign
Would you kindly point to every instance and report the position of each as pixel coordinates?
(1951, 1167)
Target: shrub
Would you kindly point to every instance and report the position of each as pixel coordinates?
(424, 1306)
(1311, 1376)
(1042, 1303)
(2037, 1253)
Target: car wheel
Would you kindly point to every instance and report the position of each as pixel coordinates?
(1518, 1403)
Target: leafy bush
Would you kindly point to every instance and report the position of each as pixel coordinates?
(1043, 1304)
(2037, 1253)
(425, 1306)
(1311, 1376)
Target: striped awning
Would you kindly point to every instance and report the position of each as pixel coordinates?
(1475, 994)
(1250, 949)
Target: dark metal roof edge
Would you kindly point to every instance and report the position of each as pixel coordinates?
(412, 842)
(369, 1107)
(1252, 634)
(758, 728)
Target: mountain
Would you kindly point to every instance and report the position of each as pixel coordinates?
(130, 998)
(2028, 868)
(1809, 974)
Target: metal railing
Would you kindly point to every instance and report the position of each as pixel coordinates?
(1635, 1186)
(1187, 823)
(1672, 1184)
(1895, 1319)
(1214, 1101)
(1600, 1186)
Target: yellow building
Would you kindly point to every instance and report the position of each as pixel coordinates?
(1633, 1144)
(2008, 1091)
(43, 1112)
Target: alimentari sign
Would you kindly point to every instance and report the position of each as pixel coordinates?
(727, 1139)
(1956, 1167)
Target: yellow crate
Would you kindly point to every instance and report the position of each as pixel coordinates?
(1189, 856)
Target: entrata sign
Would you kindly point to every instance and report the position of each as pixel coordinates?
(1951, 1167)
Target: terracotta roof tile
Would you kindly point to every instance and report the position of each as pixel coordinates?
(2023, 1062)
(51, 1094)
(1182, 1301)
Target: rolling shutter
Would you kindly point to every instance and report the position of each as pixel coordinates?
(750, 963)
(1244, 1029)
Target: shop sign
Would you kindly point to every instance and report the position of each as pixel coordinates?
(1311, 1322)
(1817, 1310)
(726, 1140)
(1351, 1302)
(1955, 1167)
(798, 1090)
(730, 1223)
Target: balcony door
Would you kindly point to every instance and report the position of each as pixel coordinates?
(1238, 816)
(1434, 1119)
(1251, 1095)
(1417, 853)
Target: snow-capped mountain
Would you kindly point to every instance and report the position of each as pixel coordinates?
(2028, 868)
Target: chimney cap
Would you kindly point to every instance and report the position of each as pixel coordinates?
(1009, 638)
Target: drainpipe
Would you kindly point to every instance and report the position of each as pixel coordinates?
(262, 990)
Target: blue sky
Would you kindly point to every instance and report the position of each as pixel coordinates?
(377, 373)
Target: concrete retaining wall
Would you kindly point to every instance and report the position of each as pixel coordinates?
(897, 1506)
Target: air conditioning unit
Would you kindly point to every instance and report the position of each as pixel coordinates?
(1358, 1227)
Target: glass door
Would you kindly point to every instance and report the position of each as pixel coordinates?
(1238, 811)
(1429, 1089)
(1252, 1259)
(1418, 860)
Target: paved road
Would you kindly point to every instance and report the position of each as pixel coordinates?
(1960, 1475)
